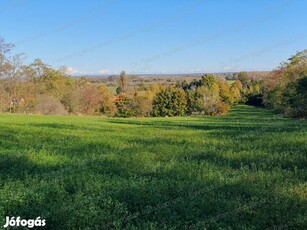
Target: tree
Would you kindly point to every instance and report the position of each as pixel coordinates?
(210, 97)
(299, 106)
(170, 102)
(243, 78)
(299, 59)
(38, 68)
(236, 91)
(5, 49)
(225, 92)
(118, 90)
(106, 104)
(126, 106)
(86, 100)
(285, 92)
(122, 83)
(194, 102)
(39, 88)
(208, 80)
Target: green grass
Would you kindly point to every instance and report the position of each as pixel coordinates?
(246, 170)
(230, 82)
(112, 89)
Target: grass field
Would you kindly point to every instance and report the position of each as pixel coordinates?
(246, 170)
(230, 82)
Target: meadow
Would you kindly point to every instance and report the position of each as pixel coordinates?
(245, 170)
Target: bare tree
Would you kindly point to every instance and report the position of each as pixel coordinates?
(5, 49)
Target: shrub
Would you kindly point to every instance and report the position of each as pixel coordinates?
(218, 109)
(126, 107)
(48, 105)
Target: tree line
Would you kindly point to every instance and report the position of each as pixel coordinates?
(37, 88)
(285, 91)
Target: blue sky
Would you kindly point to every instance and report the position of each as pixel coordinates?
(156, 36)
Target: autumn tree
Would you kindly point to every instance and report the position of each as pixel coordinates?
(85, 100)
(106, 102)
(122, 83)
(225, 92)
(235, 90)
(285, 91)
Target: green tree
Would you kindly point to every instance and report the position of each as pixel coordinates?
(170, 102)
(126, 107)
(194, 102)
(243, 78)
(208, 80)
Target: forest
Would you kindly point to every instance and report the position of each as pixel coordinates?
(37, 88)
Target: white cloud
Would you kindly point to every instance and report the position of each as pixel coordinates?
(70, 70)
(105, 71)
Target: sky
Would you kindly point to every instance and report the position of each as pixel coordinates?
(156, 36)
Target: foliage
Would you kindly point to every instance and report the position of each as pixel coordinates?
(23, 89)
(235, 90)
(194, 102)
(170, 102)
(285, 91)
(243, 78)
(122, 83)
(209, 95)
(126, 107)
(48, 105)
(106, 101)
(38, 88)
(133, 106)
(225, 92)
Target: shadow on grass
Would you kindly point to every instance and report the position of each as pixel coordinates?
(161, 200)
(111, 187)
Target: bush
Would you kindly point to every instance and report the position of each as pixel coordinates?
(218, 109)
(126, 107)
(48, 105)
